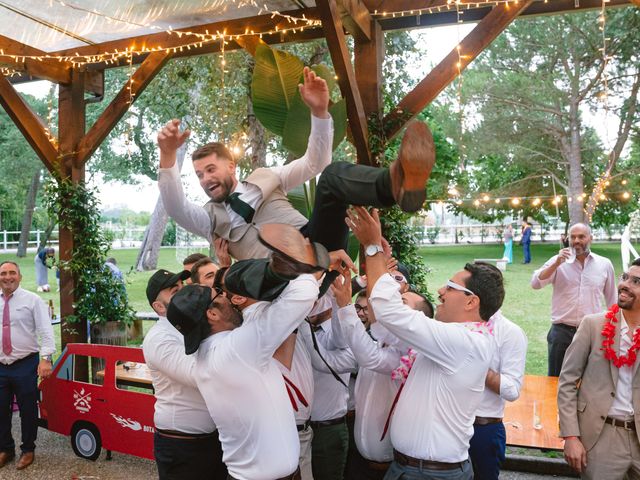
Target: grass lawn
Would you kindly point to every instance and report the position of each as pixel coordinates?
(527, 307)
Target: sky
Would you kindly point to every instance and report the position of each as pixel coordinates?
(436, 41)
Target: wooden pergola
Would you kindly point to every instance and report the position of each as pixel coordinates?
(360, 82)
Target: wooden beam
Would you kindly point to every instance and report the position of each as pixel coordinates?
(235, 27)
(346, 77)
(121, 103)
(28, 122)
(71, 126)
(368, 59)
(447, 70)
(636, 2)
(355, 18)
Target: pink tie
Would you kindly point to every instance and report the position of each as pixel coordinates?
(6, 328)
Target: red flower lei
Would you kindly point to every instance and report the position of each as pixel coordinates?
(609, 331)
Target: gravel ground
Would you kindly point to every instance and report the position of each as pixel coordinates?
(55, 460)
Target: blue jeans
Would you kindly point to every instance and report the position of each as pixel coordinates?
(403, 472)
(487, 450)
(19, 379)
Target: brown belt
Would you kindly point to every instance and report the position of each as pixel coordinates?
(481, 421)
(627, 425)
(294, 476)
(408, 461)
(328, 423)
(380, 466)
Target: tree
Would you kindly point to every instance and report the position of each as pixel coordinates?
(533, 91)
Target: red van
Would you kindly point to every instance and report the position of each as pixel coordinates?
(116, 414)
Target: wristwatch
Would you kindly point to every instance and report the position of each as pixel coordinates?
(46, 357)
(372, 250)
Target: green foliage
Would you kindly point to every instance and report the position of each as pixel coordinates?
(99, 296)
(277, 102)
(169, 237)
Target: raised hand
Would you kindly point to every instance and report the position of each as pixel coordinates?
(222, 252)
(341, 288)
(170, 138)
(315, 93)
(365, 226)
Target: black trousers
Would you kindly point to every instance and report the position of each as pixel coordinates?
(558, 340)
(340, 185)
(19, 379)
(198, 458)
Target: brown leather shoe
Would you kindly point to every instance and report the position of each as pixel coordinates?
(6, 457)
(26, 459)
(293, 254)
(411, 170)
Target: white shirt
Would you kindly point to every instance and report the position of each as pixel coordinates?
(301, 374)
(244, 390)
(29, 319)
(578, 290)
(434, 416)
(622, 405)
(179, 405)
(330, 397)
(509, 357)
(195, 218)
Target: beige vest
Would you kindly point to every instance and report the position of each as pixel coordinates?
(275, 208)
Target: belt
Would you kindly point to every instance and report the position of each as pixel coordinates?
(626, 424)
(16, 362)
(351, 414)
(481, 421)
(183, 435)
(408, 461)
(565, 326)
(294, 476)
(380, 466)
(327, 423)
(304, 426)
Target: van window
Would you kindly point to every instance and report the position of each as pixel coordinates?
(133, 377)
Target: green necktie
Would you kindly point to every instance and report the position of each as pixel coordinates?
(241, 207)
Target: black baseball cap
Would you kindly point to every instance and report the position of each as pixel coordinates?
(163, 279)
(187, 312)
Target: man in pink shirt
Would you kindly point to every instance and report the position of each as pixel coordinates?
(580, 280)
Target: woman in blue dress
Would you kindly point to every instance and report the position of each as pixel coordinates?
(507, 237)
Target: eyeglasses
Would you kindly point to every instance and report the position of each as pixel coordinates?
(454, 286)
(635, 280)
(400, 278)
(219, 292)
(360, 308)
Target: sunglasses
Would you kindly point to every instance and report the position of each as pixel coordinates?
(219, 292)
(634, 280)
(399, 278)
(454, 286)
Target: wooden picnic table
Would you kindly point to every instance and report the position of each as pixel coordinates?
(518, 415)
(136, 375)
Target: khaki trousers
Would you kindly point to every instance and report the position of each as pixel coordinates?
(305, 436)
(615, 454)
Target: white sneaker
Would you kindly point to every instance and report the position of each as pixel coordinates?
(40, 289)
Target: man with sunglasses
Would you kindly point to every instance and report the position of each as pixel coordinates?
(582, 281)
(599, 389)
(186, 443)
(434, 413)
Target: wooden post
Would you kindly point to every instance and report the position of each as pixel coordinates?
(368, 58)
(71, 129)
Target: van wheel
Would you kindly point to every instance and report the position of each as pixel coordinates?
(85, 441)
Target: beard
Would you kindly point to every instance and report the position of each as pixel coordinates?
(627, 303)
(226, 184)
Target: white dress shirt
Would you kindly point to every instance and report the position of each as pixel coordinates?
(195, 218)
(29, 318)
(622, 405)
(434, 417)
(509, 357)
(578, 290)
(330, 397)
(244, 389)
(179, 405)
(301, 375)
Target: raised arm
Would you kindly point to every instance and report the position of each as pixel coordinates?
(315, 94)
(188, 215)
(168, 357)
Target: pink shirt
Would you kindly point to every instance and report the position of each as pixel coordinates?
(579, 290)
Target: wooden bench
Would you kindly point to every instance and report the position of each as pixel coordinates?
(501, 263)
